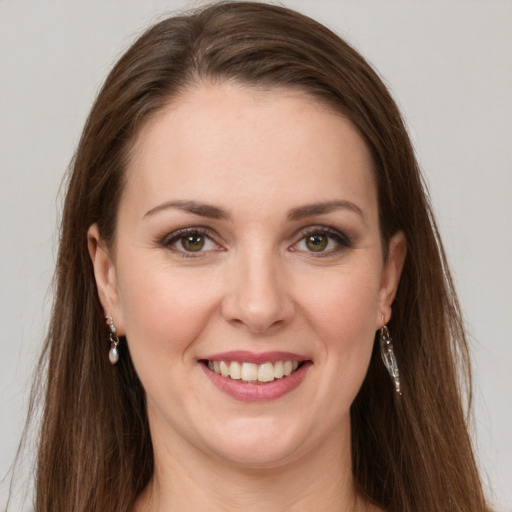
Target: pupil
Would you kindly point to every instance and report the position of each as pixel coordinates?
(317, 243)
(193, 243)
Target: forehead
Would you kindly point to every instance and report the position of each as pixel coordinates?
(225, 141)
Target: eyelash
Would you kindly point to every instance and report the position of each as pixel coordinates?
(171, 239)
(342, 240)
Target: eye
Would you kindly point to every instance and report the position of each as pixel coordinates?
(322, 241)
(189, 241)
(317, 242)
(192, 243)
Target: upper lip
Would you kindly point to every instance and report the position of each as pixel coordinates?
(253, 357)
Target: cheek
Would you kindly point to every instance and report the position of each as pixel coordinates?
(341, 308)
(164, 310)
(344, 300)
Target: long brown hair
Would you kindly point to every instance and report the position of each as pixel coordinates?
(410, 453)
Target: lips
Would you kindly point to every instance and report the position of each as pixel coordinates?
(249, 377)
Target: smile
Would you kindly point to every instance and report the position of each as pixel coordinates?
(250, 377)
(252, 372)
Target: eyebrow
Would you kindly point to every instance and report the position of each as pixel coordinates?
(310, 210)
(295, 214)
(195, 207)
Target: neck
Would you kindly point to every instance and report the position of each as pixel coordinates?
(198, 481)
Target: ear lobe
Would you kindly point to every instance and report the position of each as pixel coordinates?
(391, 275)
(104, 274)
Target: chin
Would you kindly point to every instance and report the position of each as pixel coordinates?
(255, 456)
(259, 443)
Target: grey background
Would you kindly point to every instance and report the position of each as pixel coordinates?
(448, 64)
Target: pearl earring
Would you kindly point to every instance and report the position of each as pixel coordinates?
(113, 354)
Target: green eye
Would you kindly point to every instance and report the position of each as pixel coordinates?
(192, 243)
(317, 243)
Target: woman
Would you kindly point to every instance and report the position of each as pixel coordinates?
(246, 210)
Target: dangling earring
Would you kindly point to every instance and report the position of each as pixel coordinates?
(388, 356)
(113, 354)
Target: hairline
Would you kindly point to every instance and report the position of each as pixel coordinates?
(198, 81)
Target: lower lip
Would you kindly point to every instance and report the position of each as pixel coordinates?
(258, 391)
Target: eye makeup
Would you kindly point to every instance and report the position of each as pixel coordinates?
(313, 241)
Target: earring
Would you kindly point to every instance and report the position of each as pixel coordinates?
(388, 356)
(113, 354)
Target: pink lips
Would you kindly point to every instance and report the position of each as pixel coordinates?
(257, 391)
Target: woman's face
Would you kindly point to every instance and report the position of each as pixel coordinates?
(248, 234)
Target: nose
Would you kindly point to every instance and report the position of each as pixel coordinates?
(258, 296)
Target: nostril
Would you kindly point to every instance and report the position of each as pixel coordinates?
(257, 298)
(256, 326)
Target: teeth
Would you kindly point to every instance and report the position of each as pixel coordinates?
(278, 369)
(266, 372)
(251, 372)
(235, 370)
(224, 369)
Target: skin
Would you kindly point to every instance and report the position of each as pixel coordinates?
(256, 285)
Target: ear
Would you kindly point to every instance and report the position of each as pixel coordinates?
(391, 273)
(105, 276)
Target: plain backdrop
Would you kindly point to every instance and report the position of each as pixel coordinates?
(448, 64)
